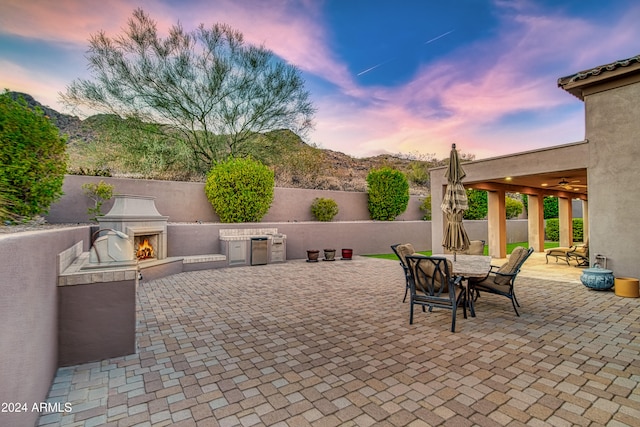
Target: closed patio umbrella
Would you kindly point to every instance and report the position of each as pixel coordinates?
(453, 205)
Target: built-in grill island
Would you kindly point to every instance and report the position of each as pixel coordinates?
(253, 246)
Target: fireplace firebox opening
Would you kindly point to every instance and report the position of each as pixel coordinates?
(149, 243)
(145, 246)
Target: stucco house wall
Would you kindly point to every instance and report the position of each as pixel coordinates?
(613, 131)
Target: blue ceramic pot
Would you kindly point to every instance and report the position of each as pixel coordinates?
(597, 278)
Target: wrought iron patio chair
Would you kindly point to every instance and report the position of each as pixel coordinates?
(501, 280)
(580, 254)
(402, 251)
(432, 285)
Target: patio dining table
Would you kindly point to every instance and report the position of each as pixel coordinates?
(469, 266)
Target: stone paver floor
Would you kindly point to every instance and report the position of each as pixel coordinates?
(329, 344)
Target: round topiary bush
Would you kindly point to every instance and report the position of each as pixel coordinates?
(388, 193)
(324, 209)
(240, 190)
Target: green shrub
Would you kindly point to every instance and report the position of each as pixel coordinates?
(425, 207)
(478, 204)
(5, 214)
(552, 230)
(388, 193)
(418, 173)
(98, 192)
(324, 209)
(550, 207)
(578, 230)
(240, 190)
(32, 158)
(513, 207)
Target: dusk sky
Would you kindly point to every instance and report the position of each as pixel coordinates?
(395, 76)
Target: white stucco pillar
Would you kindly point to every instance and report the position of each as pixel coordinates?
(565, 217)
(536, 222)
(585, 219)
(497, 224)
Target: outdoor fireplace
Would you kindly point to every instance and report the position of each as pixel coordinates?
(137, 217)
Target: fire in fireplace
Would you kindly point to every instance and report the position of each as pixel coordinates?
(144, 247)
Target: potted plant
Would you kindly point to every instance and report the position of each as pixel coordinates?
(312, 255)
(329, 254)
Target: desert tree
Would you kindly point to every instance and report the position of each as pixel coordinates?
(208, 88)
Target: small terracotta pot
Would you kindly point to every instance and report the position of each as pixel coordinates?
(312, 255)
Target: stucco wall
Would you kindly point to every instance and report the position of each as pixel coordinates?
(613, 131)
(186, 202)
(29, 316)
(364, 237)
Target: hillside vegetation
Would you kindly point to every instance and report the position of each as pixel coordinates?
(94, 151)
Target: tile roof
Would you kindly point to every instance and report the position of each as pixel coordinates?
(576, 83)
(598, 70)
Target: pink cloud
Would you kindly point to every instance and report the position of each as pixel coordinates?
(31, 81)
(293, 31)
(69, 21)
(464, 97)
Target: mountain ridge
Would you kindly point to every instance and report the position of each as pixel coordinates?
(338, 171)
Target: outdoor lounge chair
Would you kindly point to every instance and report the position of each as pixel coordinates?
(432, 285)
(402, 251)
(580, 254)
(500, 280)
(559, 253)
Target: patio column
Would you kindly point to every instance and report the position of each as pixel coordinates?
(497, 224)
(565, 217)
(536, 222)
(585, 219)
(438, 220)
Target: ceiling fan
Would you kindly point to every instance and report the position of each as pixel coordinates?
(570, 185)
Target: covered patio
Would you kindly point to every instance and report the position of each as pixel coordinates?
(329, 344)
(559, 171)
(606, 162)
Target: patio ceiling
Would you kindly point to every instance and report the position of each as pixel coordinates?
(567, 183)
